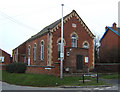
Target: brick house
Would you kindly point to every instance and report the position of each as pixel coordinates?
(4, 58)
(42, 51)
(109, 44)
(109, 49)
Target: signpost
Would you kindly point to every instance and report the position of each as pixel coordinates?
(92, 75)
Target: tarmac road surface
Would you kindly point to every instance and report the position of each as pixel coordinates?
(15, 88)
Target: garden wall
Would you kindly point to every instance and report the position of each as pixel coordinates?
(50, 70)
(107, 67)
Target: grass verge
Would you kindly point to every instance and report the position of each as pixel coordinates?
(110, 76)
(41, 80)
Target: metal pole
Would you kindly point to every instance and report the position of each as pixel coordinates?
(83, 78)
(97, 77)
(62, 53)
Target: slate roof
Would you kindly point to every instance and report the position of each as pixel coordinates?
(46, 29)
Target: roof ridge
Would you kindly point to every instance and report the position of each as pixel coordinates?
(50, 26)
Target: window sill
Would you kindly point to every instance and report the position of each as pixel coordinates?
(59, 58)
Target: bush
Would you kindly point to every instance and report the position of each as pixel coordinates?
(17, 67)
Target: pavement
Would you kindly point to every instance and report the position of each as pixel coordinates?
(115, 87)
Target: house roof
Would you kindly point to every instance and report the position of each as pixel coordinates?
(110, 28)
(1, 51)
(46, 29)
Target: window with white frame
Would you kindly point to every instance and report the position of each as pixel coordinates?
(59, 48)
(74, 25)
(86, 45)
(42, 50)
(29, 51)
(1, 59)
(74, 41)
(35, 48)
(86, 59)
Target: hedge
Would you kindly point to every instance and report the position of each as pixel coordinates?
(17, 67)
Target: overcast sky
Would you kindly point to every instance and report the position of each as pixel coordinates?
(20, 19)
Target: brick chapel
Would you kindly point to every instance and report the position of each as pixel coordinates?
(41, 52)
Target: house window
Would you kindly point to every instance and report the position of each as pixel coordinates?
(24, 59)
(59, 49)
(35, 48)
(86, 45)
(42, 50)
(86, 59)
(1, 59)
(29, 51)
(74, 40)
(74, 25)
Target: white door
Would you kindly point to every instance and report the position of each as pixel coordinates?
(28, 61)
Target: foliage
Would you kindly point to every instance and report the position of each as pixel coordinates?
(96, 48)
(16, 67)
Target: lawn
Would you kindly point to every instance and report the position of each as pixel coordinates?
(41, 80)
(110, 76)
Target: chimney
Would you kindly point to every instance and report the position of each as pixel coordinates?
(114, 26)
(106, 28)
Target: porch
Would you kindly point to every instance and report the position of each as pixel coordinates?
(76, 60)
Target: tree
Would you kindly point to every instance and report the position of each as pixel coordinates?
(96, 49)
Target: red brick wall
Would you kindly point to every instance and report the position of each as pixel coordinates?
(70, 60)
(21, 52)
(38, 58)
(42, 70)
(107, 68)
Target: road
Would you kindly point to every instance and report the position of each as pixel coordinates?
(15, 88)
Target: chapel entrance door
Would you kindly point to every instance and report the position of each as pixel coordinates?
(79, 62)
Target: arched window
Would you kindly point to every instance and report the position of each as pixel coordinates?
(28, 55)
(42, 50)
(35, 49)
(59, 48)
(74, 40)
(29, 51)
(86, 45)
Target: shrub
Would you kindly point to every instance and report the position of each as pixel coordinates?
(16, 67)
